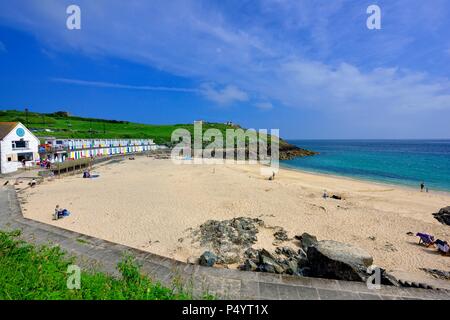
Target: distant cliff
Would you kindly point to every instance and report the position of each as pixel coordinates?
(289, 151)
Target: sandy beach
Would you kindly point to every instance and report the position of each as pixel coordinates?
(153, 205)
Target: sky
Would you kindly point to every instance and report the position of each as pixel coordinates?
(310, 68)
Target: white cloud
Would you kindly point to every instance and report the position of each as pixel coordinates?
(345, 87)
(100, 84)
(227, 95)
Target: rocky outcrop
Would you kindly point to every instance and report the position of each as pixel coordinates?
(228, 238)
(285, 260)
(417, 280)
(443, 216)
(281, 235)
(289, 151)
(326, 259)
(306, 241)
(336, 260)
(438, 274)
(230, 242)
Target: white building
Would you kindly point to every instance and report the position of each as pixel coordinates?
(17, 146)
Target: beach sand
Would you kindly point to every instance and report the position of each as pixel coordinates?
(150, 204)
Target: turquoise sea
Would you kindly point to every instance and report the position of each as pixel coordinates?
(402, 162)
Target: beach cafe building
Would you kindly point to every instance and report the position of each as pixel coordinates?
(18, 147)
(60, 150)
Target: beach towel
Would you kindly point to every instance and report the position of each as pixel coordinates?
(426, 239)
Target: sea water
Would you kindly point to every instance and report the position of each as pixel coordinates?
(402, 162)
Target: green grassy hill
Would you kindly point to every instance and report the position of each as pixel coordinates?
(66, 126)
(62, 125)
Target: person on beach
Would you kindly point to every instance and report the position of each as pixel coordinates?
(422, 185)
(60, 213)
(33, 183)
(325, 194)
(57, 213)
(86, 174)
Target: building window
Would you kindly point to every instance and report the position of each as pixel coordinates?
(21, 144)
(9, 159)
(25, 156)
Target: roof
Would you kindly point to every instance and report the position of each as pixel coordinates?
(6, 128)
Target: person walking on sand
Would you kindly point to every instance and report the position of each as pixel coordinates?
(422, 185)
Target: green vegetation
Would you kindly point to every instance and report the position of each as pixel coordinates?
(62, 125)
(40, 273)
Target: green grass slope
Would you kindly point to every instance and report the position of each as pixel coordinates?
(63, 125)
(66, 126)
(40, 273)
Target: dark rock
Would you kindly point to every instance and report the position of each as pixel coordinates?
(271, 267)
(439, 274)
(443, 216)
(249, 265)
(336, 260)
(288, 151)
(306, 241)
(302, 259)
(228, 238)
(267, 262)
(388, 279)
(239, 231)
(291, 267)
(208, 259)
(417, 280)
(304, 271)
(286, 251)
(263, 254)
(251, 253)
(281, 235)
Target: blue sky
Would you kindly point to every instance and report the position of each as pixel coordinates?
(310, 68)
